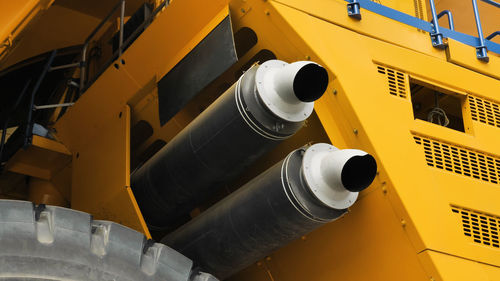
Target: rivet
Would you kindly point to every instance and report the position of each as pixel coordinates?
(267, 13)
(334, 92)
(355, 131)
(403, 223)
(242, 10)
(308, 57)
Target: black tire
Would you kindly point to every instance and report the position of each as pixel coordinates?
(54, 243)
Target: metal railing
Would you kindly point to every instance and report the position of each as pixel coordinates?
(436, 32)
(481, 49)
(83, 63)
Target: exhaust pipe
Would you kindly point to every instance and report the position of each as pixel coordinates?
(310, 187)
(268, 104)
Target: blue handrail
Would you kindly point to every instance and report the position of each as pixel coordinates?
(436, 36)
(481, 44)
(481, 51)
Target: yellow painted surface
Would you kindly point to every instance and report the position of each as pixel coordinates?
(382, 236)
(15, 16)
(464, 16)
(43, 159)
(445, 267)
(44, 192)
(464, 55)
(402, 227)
(91, 128)
(101, 175)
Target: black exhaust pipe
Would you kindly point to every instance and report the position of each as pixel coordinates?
(269, 103)
(309, 188)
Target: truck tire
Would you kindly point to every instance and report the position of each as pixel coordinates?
(53, 243)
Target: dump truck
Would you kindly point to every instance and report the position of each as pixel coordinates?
(250, 140)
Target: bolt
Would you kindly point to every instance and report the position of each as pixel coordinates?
(308, 57)
(243, 10)
(403, 223)
(355, 131)
(334, 92)
(267, 13)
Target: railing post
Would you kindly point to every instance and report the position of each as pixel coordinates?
(481, 51)
(29, 126)
(353, 9)
(436, 36)
(122, 15)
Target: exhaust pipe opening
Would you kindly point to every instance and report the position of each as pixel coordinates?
(289, 90)
(310, 82)
(354, 167)
(335, 176)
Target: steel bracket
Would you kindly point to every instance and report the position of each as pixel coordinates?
(482, 53)
(353, 9)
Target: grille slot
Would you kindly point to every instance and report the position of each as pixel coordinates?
(460, 160)
(479, 227)
(484, 111)
(397, 81)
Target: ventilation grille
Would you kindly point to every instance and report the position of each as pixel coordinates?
(484, 111)
(396, 81)
(480, 227)
(460, 160)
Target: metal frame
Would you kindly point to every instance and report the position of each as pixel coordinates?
(451, 23)
(28, 137)
(83, 63)
(481, 50)
(433, 27)
(120, 5)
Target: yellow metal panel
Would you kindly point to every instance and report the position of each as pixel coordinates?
(445, 267)
(463, 16)
(359, 112)
(372, 25)
(101, 175)
(163, 53)
(43, 159)
(465, 56)
(44, 192)
(348, 249)
(170, 37)
(15, 16)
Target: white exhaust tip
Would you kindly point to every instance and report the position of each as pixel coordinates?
(289, 90)
(336, 176)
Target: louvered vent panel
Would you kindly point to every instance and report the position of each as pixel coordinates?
(484, 111)
(480, 227)
(460, 160)
(397, 81)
